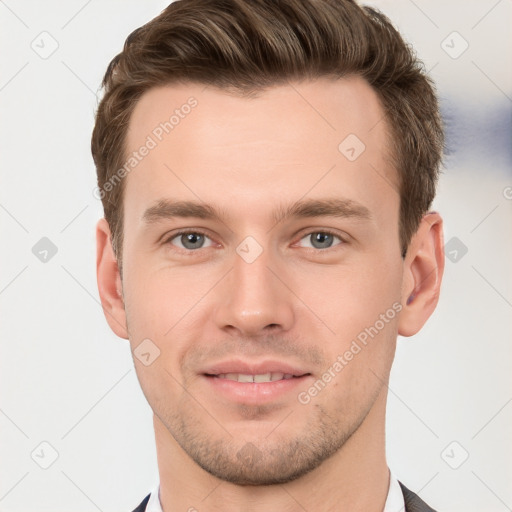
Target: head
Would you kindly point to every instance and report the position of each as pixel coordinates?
(277, 219)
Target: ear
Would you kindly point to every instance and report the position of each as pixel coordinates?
(109, 281)
(423, 272)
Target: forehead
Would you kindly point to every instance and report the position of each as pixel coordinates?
(331, 105)
(204, 142)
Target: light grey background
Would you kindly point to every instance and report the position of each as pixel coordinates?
(67, 380)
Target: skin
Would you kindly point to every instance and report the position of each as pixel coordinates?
(295, 302)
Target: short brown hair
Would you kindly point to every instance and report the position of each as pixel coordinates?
(248, 45)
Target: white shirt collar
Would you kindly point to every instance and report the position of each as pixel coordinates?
(394, 501)
(154, 500)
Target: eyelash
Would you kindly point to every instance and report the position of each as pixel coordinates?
(168, 240)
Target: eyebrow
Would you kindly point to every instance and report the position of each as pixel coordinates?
(330, 207)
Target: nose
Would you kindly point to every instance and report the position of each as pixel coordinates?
(252, 301)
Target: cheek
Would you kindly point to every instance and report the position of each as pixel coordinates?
(158, 310)
(157, 300)
(360, 304)
(350, 298)
(166, 306)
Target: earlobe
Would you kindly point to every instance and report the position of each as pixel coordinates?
(423, 272)
(109, 281)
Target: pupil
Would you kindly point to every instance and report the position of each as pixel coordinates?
(321, 240)
(191, 240)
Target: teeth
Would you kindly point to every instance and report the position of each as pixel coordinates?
(245, 378)
(263, 377)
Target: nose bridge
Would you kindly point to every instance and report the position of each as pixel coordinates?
(253, 298)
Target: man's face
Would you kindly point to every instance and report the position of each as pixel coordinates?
(255, 291)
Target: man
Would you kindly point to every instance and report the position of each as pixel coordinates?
(266, 170)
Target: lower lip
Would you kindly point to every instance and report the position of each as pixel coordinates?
(256, 392)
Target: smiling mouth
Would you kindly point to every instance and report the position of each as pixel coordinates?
(258, 378)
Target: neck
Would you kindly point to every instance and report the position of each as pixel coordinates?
(356, 478)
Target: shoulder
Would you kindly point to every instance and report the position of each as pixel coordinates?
(143, 504)
(413, 503)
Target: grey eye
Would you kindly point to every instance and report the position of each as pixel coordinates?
(191, 240)
(320, 240)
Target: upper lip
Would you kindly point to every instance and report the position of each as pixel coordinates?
(254, 368)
